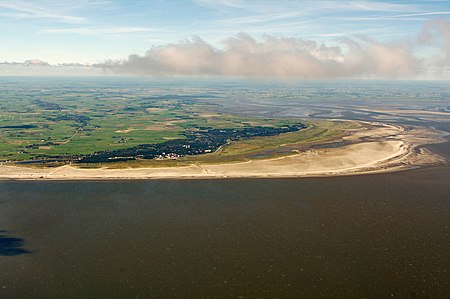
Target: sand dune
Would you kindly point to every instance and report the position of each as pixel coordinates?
(374, 148)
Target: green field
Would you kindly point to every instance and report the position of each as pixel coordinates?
(318, 132)
(65, 123)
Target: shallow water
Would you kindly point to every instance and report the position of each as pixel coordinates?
(362, 236)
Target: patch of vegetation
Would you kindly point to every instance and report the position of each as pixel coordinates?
(196, 142)
(316, 133)
(86, 123)
(99, 124)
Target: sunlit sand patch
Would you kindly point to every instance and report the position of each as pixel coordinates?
(166, 126)
(125, 131)
(209, 115)
(174, 122)
(154, 109)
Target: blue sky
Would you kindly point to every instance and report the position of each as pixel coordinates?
(257, 38)
(90, 31)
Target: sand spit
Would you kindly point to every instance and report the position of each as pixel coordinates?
(374, 148)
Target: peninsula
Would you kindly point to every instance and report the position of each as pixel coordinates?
(363, 148)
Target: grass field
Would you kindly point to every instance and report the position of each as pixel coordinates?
(42, 124)
(318, 132)
(65, 122)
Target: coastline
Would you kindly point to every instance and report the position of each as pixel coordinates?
(382, 148)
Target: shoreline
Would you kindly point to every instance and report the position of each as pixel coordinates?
(382, 148)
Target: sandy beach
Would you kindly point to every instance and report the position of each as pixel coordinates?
(374, 148)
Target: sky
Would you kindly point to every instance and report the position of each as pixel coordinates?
(302, 38)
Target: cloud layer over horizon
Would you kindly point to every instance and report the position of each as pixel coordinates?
(285, 57)
(278, 57)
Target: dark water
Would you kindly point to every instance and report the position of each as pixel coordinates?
(373, 236)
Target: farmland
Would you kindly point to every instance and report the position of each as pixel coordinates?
(94, 123)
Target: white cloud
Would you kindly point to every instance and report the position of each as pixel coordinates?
(406, 17)
(272, 56)
(36, 62)
(280, 57)
(301, 6)
(437, 33)
(100, 31)
(27, 10)
(380, 6)
(37, 67)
